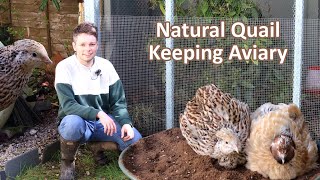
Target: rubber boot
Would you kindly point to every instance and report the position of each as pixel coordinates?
(68, 151)
(98, 149)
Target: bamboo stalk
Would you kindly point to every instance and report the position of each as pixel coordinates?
(48, 31)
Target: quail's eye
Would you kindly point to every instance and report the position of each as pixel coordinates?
(34, 54)
(227, 142)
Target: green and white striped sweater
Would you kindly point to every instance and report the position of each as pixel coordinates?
(81, 92)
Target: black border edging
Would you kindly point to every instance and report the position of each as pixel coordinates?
(16, 165)
(49, 151)
(2, 175)
(28, 159)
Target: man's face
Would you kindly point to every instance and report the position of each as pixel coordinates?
(86, 47)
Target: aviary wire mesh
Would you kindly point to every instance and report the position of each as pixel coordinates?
(125, 41)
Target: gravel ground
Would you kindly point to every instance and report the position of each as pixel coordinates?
(37, 137)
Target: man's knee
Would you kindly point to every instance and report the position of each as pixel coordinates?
(72, 128)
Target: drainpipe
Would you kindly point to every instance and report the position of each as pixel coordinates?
(92, 14)
(169, 70)
(298, 39)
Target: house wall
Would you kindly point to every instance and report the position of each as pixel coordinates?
(62, 24)
(50, 27)
(4, 15)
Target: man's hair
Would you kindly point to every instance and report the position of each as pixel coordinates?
(86, 28)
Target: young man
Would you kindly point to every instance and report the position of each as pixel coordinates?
(92, 101)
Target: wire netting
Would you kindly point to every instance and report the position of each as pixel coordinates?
(125, 41)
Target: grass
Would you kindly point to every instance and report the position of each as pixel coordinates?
(85, 168)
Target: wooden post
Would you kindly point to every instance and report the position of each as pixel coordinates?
(81, 13)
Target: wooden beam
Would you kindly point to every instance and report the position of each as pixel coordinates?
(81, 12)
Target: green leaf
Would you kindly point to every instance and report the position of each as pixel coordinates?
(255, 62)
(268, 42)
(246, 46)
(254, 13)
(228, 62)
(232, 13)
(244, 19)
(43, 5)
(180, 2)
(162, 8)
(56, 3)
(27, 91)
(244, 5)
(204, 7)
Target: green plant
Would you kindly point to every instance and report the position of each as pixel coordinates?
(44, 4)
(16, 32)
(41, 86)
(7, 33)
(246, 80)
(5, 37)
(146, 118)
(212, 8)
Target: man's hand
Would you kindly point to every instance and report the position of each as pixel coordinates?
(127, 132)
(108, 123)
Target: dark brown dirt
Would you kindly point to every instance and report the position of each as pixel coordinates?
(166, 155)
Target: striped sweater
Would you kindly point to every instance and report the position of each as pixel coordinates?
(84, 92)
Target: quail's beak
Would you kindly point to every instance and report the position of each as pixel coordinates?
(44, 62)
(282, 158)
(47, 60)
(236, 149)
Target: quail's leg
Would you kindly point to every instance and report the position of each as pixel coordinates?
(242, 159)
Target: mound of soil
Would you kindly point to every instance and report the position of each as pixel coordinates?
(166, 155)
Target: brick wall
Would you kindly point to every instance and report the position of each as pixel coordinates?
(50, 27)
(4, 15)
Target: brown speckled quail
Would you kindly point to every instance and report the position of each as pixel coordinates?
(217, 125)
(280, 145)
(16, 64)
